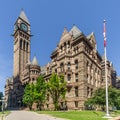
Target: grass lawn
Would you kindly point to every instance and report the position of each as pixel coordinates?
(5, 113)
(76, 115)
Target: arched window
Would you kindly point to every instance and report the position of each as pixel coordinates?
(24, 45)
(69, 77)
(76, 91)
(62, 67)
(27, 46)
(21, 43)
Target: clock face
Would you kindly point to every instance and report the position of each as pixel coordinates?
(24, 27)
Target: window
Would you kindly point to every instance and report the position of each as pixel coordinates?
(47, 70)
(88, 91)
(27, 47)
(33, 79)
(76, 103)
(24, 45)
(76, 64)
(47, 105)
(68, 44)
(20, 43)
(68, 77)
(68, 65)
(55, 70)
(61, 48)
(76, 77)
(50, 69)
(64, 44)
(76, 91)
(62, 67)
(91, 91)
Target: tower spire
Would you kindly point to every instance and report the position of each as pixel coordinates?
(23, 16)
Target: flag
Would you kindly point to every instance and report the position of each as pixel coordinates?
(104, 33)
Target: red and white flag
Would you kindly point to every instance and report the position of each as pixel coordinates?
(104, 32)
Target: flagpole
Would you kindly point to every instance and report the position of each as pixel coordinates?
(104, 34)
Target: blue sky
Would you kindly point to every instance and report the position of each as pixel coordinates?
(48, 19)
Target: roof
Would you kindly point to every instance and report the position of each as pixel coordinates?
(65, 36)
(24, 17)
(75, 31)
(34, 61)
(89, 36)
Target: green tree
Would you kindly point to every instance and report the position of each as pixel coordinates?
(40, 92)
(57, 89)
(28, 97)
(1, 95)
(99, 98)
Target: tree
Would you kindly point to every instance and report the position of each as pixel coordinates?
(1, 95)
(28, 97)
(57, 89)
(89, 103)
(99, 98)
(40, 92)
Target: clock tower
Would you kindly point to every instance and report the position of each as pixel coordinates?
(21, 44)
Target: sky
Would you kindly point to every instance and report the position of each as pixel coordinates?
(48, 19)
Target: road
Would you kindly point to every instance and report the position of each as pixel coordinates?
(27, 115)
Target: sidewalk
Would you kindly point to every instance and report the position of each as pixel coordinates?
(115, 118)
(2, 117)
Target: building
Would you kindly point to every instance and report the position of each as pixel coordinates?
(76, 57)
(24, 71)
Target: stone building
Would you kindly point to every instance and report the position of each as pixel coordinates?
(76, 57)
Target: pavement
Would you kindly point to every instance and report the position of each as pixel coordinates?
(28, 115)
(115, 118)
(2, 117)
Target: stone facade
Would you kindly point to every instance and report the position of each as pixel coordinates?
(76, 57)
(24, 71)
